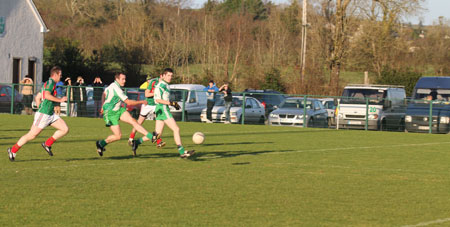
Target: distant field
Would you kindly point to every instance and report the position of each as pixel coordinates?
(242, 176)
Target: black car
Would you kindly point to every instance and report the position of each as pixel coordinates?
(269, 98)
(6, 98)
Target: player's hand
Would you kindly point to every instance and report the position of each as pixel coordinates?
(175, 105)
(63, 99)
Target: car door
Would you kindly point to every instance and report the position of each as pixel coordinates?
(249, 110)
(320, 113)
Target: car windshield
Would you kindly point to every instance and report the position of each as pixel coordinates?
(295, 104)
(270, 98)
(358, 96)
(432, 94)
(177, 95)
(235, 103)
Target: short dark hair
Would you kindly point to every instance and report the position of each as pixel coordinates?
(211, 81)
(117, 75)
(167, 70)
(55, 70)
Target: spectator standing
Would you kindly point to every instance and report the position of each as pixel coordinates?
(69, 92)
(98, 92)
(79, 93)
(228, 98)
(59, 94)
(27, 93)
(211, 99)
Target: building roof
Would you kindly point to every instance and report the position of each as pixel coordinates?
(37, 16)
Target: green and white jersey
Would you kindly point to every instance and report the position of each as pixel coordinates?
(151, 87)
(114, 96)
(46, 106)
(162, 91)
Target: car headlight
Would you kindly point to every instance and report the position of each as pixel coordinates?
(445, 120)
(408, 118)
(300, 116)
(273, 115)
(340, 115)
(373, 116)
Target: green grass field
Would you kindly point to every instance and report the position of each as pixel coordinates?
(242, 176)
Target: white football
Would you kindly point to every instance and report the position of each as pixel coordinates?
(198, 138)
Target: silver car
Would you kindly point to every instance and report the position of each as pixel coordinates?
(291, 113)
(254, 111)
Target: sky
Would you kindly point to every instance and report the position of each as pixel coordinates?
(434, 9)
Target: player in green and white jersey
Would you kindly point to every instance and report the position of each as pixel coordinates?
(113, 112)
(163, 115)
(44, 116)
(146, 109)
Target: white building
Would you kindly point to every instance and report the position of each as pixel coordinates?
(21, 41)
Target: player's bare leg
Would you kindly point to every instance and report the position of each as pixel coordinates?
(126, 117)
(140, 121)
(176, 136)
(61, 130)
(34, 131)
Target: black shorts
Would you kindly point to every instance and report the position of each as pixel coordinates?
(27, 100)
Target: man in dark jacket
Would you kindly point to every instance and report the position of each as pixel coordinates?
(98, 92)
(80, 97)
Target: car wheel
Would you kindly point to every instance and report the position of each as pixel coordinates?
(186, 118)
(383, 126)
(402, 127)
(262, 119)
(310, 123)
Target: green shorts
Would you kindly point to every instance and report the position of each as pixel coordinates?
(163, 112)
(112, 117)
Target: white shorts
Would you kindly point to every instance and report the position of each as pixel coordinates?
(146, 109)
(43, 120)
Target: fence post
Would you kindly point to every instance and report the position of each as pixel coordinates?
(336, 113)
(12, 98)
(367, 114)
(430, 118)
(68, 110)
(243, 109)
(184, 104)
(304, 110)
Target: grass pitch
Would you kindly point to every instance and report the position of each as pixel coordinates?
(242, 176)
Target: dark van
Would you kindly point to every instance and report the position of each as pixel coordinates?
(430, 106)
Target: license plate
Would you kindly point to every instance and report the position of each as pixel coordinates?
(354, 122)
(424, 127)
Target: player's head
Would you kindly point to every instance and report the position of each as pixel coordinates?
(167, 74)
(120, 78)
(56, 73)
(211, 83)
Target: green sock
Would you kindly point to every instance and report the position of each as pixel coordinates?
(149, 135)
(139, 141)
(180, 149)
(103, 143)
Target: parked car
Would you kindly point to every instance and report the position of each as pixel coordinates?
(328, 103)
(254, 111)
(292, 111)
(437, 91)
(138, 95)
(386, 107)
(6, 98)
(194, 98)
(270, 99)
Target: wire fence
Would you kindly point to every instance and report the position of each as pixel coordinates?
(429, 115)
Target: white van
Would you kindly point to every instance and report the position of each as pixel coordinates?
(194, 97)
(386, 107)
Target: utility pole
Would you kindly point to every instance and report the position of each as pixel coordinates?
(303, 53)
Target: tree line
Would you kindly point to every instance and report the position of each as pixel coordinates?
(250, 43)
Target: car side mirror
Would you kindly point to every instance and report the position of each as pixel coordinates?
(275, 107)
(192, 100)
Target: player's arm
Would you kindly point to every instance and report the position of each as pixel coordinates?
(149, 93)
(134, 102)
(50, 97)
(37, 99)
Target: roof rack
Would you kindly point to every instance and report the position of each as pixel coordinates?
(376, 85)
